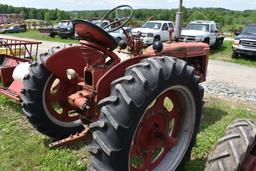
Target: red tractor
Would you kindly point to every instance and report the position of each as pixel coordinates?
(143, 113)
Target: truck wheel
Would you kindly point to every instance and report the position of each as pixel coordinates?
(218, 44)
(236, 150)
(235, 54)
(150, 120)
(157, 38)
(207, 40)
(44, 102)
(52, 35)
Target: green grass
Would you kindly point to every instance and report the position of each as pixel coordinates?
(23, 148)
(34, 34)
(217, 115)
(225, 53)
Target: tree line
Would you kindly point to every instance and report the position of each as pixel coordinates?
(229, 19)
(33, 13)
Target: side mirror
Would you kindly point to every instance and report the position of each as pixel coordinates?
(216, 31)
(237, 33)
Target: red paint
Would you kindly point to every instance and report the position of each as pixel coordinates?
(56, 94)
(153, 133)
(250, 163)
(14, 51)
(93, 33)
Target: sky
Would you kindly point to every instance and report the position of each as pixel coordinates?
(70, 5)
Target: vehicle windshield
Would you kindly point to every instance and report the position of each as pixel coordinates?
(201, 27)
(152, 25)
(250, 30)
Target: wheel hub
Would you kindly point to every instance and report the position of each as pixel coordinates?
(156, 133)
(57, 108)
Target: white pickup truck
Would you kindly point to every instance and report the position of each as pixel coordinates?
(203, 31)
(153, 31)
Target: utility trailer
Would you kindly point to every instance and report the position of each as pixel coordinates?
(13, 53)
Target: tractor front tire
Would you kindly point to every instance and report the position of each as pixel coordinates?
(39, 110)
(233, 150)
(150, 120)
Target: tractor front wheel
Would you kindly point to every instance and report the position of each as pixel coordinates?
(150, 120)
(44, 101)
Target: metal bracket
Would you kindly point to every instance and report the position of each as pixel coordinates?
(71, 139)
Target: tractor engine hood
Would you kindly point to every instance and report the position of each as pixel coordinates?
(180, 50)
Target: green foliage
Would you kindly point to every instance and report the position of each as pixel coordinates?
(229, 19)
(34, 34)
(225, 53)
(23, 148)
(33, 13)
(217, 115)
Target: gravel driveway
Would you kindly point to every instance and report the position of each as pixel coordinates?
(223, 78)
(231, 80)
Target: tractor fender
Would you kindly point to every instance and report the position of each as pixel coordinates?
(103, 85)
(74, 57)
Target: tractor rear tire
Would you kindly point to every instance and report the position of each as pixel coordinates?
(234, 148)
(34, 103)
(133, 98)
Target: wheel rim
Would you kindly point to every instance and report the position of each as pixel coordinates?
(164, 132)
(55, 103)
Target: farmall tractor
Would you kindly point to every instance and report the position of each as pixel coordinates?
(143, 113)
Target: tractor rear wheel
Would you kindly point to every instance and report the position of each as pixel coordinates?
(236, 150)
(44, 101)
(150, 120)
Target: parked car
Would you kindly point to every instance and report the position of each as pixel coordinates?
(13, 29)
(153, 31)
(52, 32)
(245, 42)
(203, 31)
(65, 29)
(120, 35)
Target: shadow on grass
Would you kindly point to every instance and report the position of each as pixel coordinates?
(223, 48)
(195, 165)
(210, 116)
(251, 58)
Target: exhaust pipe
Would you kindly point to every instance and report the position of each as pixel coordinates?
(178, 22)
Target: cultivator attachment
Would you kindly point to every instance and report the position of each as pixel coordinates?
(12, 53)
(72, 138)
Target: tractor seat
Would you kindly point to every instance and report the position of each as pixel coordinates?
(93, 33)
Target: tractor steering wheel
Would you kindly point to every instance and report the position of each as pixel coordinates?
(118, 21)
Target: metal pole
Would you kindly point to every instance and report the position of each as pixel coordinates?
(178, 23)
(180, 7)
